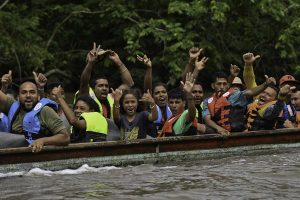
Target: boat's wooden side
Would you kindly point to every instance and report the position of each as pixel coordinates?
(184, 144)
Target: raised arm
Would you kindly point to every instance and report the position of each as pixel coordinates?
(148, 75)
(148, 98)
(234, 72)
(41, 81)
(194, 53)
(6, 81)
(117, 94)
(258, 89)
(92, 59)
(73, 120)
(187, 88)
(125, 74)
(248, 73)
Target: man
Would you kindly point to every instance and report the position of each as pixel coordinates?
(288, 112)
(295, 103)
(100, 92)
(33, 118)
(160, 96)
(225, 110)
(182, 121)
(264, 112)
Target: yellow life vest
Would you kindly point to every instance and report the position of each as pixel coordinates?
(95, 122)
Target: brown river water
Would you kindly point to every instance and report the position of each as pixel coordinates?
(268, 176)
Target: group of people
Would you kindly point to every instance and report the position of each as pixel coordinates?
(39, 115)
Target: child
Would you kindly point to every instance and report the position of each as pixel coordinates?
(128, 115)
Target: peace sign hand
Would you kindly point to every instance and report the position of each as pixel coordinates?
(201, 64)
(92, 56)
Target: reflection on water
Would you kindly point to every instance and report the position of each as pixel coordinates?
(239, 177)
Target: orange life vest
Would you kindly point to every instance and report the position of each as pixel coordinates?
(219, 109)
(167, 129)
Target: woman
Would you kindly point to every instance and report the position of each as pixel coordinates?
(88, 124)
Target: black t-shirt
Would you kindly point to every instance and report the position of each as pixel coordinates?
(137, 129)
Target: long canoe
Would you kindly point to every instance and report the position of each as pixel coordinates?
(120, 153)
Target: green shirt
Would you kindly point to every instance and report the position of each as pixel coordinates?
(182, 125)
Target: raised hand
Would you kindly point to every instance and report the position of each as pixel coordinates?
(147, 98)
(201, 64)
(286, 89)
(145, 60)
(249, 58)
(40, 79)
(189, 83)
(114, 56)
(234, 70)
(57, 92)
(194, 52)
(6, 80)
(117, 94)
(270, 80)
(92, 56)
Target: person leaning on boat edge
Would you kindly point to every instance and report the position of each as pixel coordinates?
(34, 118)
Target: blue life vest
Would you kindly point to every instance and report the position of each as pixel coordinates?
(288, 113)
(3, 123)
(159, 122)
(31, 123)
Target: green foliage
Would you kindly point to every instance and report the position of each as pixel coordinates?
(44, 35)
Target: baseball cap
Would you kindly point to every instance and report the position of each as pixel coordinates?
(287, 78)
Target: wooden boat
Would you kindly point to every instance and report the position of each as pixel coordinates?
(148, 150)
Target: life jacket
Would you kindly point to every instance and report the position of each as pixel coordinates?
(255, 117)
(226, 116)
(199, 113)
(32, 128)
(3, 123)
(93, 96)
(160, 120)
(96, 128)
(288, 113)
(167, 129)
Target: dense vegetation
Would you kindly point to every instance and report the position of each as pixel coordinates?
(46, 35)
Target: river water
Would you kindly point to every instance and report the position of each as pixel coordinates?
(272, 176)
